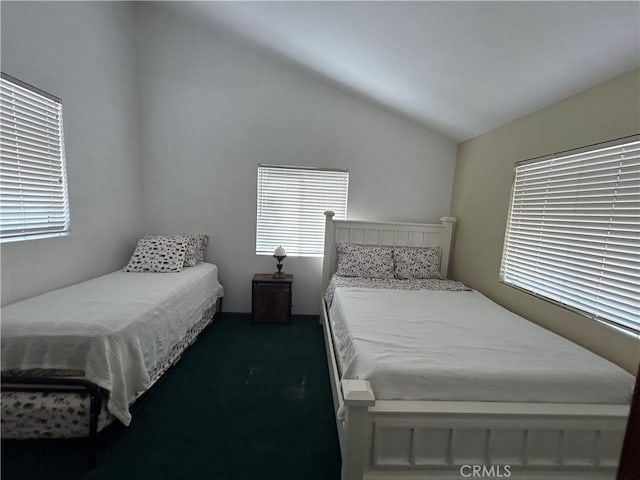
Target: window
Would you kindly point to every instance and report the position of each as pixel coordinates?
(573, 232)
(291, 206)
(33, 181)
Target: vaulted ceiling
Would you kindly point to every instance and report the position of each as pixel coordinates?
(459, 68)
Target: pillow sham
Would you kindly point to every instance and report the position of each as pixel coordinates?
(412, 262)
(364, 261)
(196, 246)
(195, 249)
(159, 254)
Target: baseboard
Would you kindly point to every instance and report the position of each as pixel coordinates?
(303, 317)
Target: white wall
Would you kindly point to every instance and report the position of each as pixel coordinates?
(83, 53)
(213, 107)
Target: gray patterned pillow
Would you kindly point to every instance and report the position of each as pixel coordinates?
(195, 249)
(158, 254)
(413, 262)
(364, 261)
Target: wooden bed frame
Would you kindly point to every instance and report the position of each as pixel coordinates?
(416, 440)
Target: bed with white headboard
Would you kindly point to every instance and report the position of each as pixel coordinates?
(418, 439)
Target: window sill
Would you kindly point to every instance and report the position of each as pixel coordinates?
(303, 255)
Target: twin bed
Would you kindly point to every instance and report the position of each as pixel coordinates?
(75, 359)
(430, 379)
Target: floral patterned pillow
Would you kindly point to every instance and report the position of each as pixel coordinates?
(158, 254)
(364, 261)
(411, 262)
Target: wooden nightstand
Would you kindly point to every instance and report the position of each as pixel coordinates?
(271, 298)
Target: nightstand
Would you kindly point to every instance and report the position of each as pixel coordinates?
(271, 298)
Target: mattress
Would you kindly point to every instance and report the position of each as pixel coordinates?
(116, 328)
(461, 346)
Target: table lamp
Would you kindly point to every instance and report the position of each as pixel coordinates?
(280, 254)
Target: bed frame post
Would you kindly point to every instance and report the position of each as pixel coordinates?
(449, 224)
(358, 397)
(328, 260)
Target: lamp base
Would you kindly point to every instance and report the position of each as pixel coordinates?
(279, 273)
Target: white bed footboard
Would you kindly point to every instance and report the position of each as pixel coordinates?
(532, 440)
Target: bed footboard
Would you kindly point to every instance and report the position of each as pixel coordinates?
(444, 440)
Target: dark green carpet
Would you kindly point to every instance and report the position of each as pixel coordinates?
(245, 402)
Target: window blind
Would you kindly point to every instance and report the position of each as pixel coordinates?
(573, 232)
(33, 181)
(291, 206)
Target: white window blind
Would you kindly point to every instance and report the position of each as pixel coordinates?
(291, 206)
(573, 232)
(33, 181)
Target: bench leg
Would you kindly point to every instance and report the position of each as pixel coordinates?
(94, 411)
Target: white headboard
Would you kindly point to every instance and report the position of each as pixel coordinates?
(385, 234)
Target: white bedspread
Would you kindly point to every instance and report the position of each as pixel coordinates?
(461, 346)
(115, 327)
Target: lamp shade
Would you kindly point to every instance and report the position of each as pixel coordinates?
(279, 252)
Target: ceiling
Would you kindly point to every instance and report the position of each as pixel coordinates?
(459, 68)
